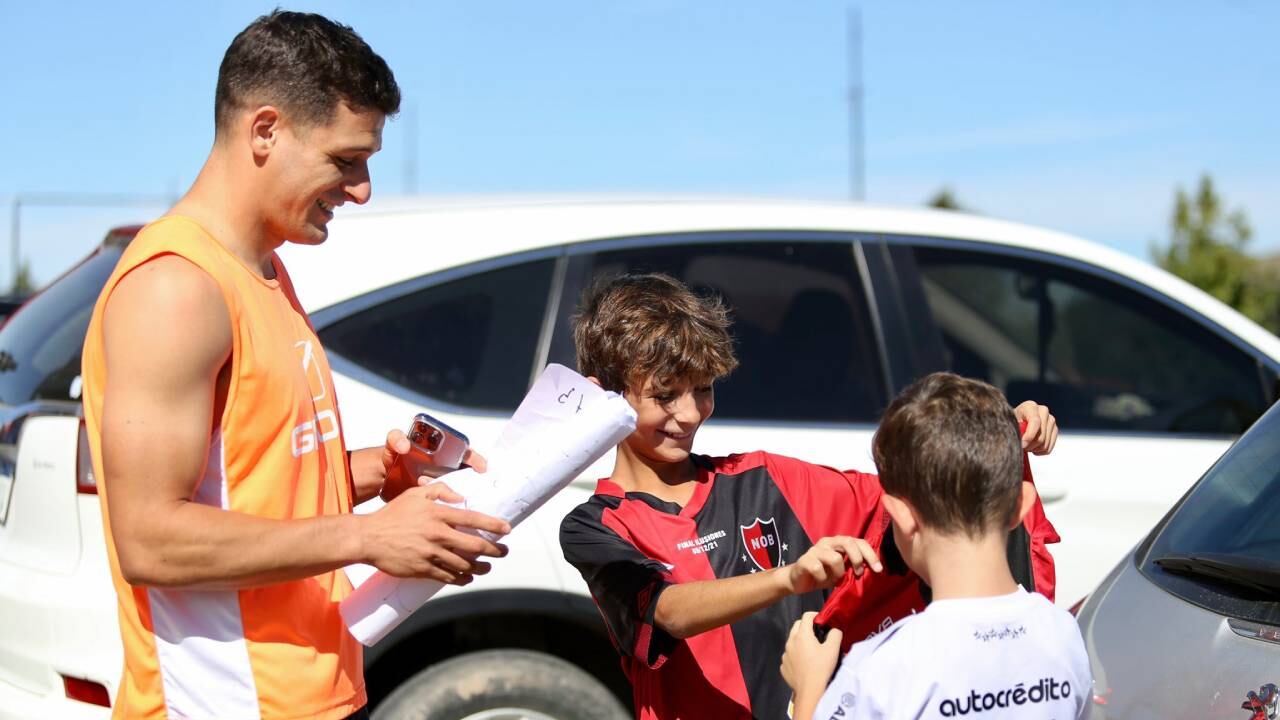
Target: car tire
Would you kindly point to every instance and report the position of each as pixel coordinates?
(502, 685)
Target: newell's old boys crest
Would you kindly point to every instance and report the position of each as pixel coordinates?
(764, 545)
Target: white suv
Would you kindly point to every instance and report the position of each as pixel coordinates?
(454, 309)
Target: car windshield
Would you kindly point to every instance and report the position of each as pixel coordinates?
(40, 346)
(1224, 532)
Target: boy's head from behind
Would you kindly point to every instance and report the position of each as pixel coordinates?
(652, 339)
(948, 448)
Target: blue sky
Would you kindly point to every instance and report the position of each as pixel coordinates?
(1077, 116)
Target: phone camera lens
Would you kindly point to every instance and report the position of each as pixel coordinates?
(434, 440)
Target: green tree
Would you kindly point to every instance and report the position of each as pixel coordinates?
(944, 199)
(1208, 248)
(23, 284)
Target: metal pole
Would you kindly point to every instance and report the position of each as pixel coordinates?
(857, 181)
(68, 200)
(15, 232)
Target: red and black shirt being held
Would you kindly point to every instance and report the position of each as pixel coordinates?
(749, 513)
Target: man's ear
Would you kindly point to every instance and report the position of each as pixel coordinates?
(903, 515)
(1025, 503)
(264, 131)
(595, 381)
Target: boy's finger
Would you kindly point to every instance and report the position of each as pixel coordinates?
(859, 552)
(816, 569)
(1051, 436)
(1031, 434)
(835, 635)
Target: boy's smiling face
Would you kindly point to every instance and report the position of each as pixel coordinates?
(667, 420)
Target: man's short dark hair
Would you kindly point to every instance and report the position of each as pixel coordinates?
(304, 64)
(949, 446)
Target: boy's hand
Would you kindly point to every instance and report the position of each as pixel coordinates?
(823, 565)
(807, 664)
(1042, 428)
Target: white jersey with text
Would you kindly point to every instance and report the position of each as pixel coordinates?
(1011, 656)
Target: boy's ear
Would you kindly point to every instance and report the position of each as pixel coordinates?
(902, 514)
(595, 381)
(1025, 503)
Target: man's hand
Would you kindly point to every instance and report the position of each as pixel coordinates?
(807, 664)
(396, 480)
(416, 535)
(1042, 428)
(823, 565)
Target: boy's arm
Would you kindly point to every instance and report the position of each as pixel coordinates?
(629, 587)
(686, 609)
(624, 583)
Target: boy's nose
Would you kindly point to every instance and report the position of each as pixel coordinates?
(686, 410)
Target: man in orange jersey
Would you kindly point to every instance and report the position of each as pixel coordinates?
(213, 427)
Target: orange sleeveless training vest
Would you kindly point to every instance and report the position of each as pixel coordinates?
(279, 651)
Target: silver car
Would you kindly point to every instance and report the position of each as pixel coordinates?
(1189, 625)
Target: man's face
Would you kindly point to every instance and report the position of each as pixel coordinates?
(317, 169)
(666, 421)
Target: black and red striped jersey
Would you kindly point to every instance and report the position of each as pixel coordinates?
(748, 513)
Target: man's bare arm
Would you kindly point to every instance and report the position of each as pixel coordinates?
(167, 337)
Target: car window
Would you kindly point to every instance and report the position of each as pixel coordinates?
(1102, 356)
(40, 345)
(800, 324)
(469, 341)
(1229, 516)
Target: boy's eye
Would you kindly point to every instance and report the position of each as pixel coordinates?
(703, 390)
(343, 162)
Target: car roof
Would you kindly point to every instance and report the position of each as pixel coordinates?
(402, 238)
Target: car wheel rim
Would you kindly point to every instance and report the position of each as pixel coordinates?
(509, 714)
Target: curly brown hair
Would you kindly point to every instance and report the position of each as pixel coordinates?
(630, 328)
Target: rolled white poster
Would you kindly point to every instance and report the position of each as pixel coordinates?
(563, 425)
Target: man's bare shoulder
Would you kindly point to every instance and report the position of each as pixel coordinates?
(168, 305)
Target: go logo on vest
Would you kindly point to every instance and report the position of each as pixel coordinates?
(311, 434)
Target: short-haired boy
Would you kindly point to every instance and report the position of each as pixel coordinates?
(951, 466)
(699, 565)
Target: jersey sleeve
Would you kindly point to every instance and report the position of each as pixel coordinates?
(827, 501)
(1041, 534)
(624, 583)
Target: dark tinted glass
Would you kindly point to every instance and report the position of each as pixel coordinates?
(40, 346)
(800, 324)
(1231, 513)
(470, 341)
(1102, 356)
